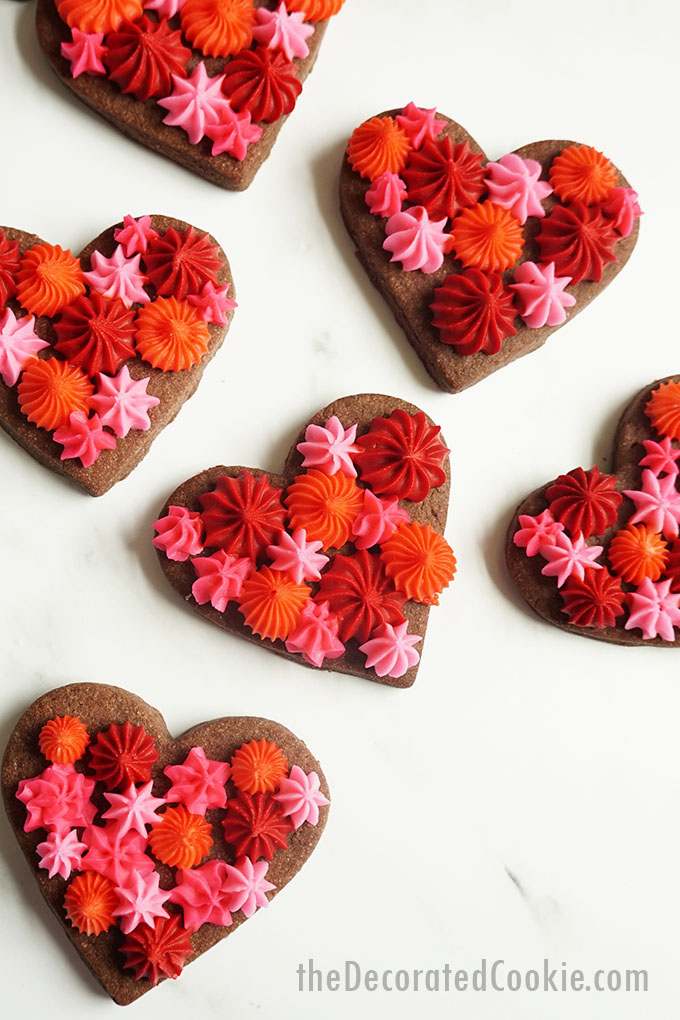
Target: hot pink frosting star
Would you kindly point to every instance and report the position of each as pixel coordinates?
(233, 133)
(134, 235)
(118, 277)
(316, 634)
(180, 533)
(300, 797)
(212, 303)
(164, 8)
(19, 343)
(114, 855)
(417, 241)
(196, 103)
(140, 900)
(134, 809)
(245, 886)
(85, 52)
(330, 447)
(377, 520)
(57, 800)
(420, 124)
(386, 195)
(61, 853)
(541, 299)
(279, 30)
(84, 438)
(661, 457)
(657, 504)
(123, 402)
(536, 532)
(389, 650)
(569, 559)
(220, 578)
(514, 184)
(297, 557)
(198, 783)
(200, 892)
(622, 206)
(654, 609)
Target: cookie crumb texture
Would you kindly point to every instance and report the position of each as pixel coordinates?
(151, 850)
(481, 261)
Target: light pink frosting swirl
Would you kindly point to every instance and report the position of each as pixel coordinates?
(85, 52)
(541, 296)
(279, 30)
(514, 184)
(417, 241)
(377, 520)
(61, 853)
(118, 277)
(246, 886)
(199, 783)
(300, 797)
(180, 534)
(654, 609)
(386, 195)
(220, 578)
(123, 402)
(389, 650)
(316, 634)
(200, 892)
(19, 343)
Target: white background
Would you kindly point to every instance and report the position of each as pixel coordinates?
(521, 748)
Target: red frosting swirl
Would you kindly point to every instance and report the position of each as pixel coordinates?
(262, 82)
(142, 55)
(361, 595)
(255, 825)
(444, 177)
(401, 456)
(242, 515)
(584, 501)
(96, 333)
(122, 755)
(181, 262)
(596, 601)
(579, 240)
(157, 952)
(9, 267)
(474, 311)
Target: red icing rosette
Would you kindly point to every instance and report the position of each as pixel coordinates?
(96, 334)
(142, 56)
(596, 601)
(181, 262)
(584, 501)
(361, 595)
(157, 952)
(402, 456)
(444, 177)
(255, 826)
(9, 267)
(262, 82)
(580, 241)
(122, 755)
(474, 311)
(242, 515)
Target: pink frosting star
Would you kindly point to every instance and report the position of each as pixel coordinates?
(84, 438)
(377, 520)
(536, 532)
(296, 556)
(196, 103)
(164, 8)
(220, 578)
(140, 900)
(514, 184)
(541, 297)
(61, 853)
(19, 343)
(622, 206)
(661, 457)
(198, 783)
(212, 303)
(569, 559)
(123, 402)
(180, 533)
(134, 235)
(279, 30)
(386, 195)
(201, 894)
(417, 241)
(654, 609)
(57, 800)
(85, 52)
(114, 855)
(300, 797)
(316, 634)
(420, 124)
(245, 886)
(233, 133)
(658, 504)
(330, 447)
(389, 650)
(134, 809)
(118, 277)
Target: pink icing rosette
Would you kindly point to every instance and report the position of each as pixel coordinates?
(417, 241)
(536, 532)
(164, 8)
(233, 133)
(180, 533)
(134, 235)
(140, 900)
(300, 797)
(114, 855)
(220, 578)
(386, 195)
(654, 609)
(57, 800)
(61, 853)
(123, 402)
(199, 783)
(84, 52)
(514, 184)
(540, 294)
(420, 124)
(567, 558)
(660, 457)
(389, 650)
(294, 555)
(279, 30)
(622, 206)
(212, 303)
(316, 634)
(196, 103)
(330, 447)
(83, 438)
(200, 892)
(657, 504)
(118, 277)
(134, 809)
(19, 343)
(245, 886)
(377, 520)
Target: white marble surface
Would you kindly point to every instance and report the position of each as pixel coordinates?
(520, 749)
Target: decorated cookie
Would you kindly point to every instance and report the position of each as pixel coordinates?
(481, 261)
(99, 352)
(151, 850)
(207, 83)
(335, 562)
(599, 554)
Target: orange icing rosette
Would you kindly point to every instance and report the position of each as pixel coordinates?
(63, 739)
(258, 767)
(325, 505)
(420, 562)
(49, 278)
(99, 15)
(377, 146)
(171, 335)
(271, 603)
(90, 901)
(636, 553)
(581, 172)
(219, 28)
(181, 840)
(663, 409)
(315, 10)
(487, 237)
(49, 390)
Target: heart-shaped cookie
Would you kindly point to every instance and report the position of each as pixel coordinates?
(481, 261)
(150, 849)
(98, 353)
(599, 555)
(205, 83)
(335, 562)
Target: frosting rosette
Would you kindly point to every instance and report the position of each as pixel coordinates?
(360, 595)
(158, 951)
(444, 177)
(255, 826)
(585, 502)
(98, 15)
(10, 264)
(378, 146)
(474, 311)
(262, 82)
(579, 240)
(142, 56)
(514, 183)
(390, 650)
(242, 515)
(219, 28)
(402, 456)
(417, 241)
(96, 333)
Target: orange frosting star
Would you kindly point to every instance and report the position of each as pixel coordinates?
(50, 390)
(258, 767)
(377, 146)
(181, 839)
(420, 562)
(487, 237)
(636, 553)
(220, 28)
(63, 739)
(171, 335)
(99, 15)
(90, 901)
(271, 603)
(49, 278)
(315, 10)
(663, 409)
(326, 505)
(581, 172)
